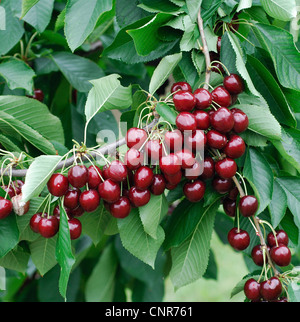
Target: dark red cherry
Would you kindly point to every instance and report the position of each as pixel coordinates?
(9, 190)
(117, 171)
(229, 207)
(38, 95)
(235, 147)
(158, 185)
(6, 208)
(170, 186)
(226, 168)
(221, 185)
(186, 158)
(194, 172)
(184, 101)
(221, 96)
(281, 255)
(121, 208)
(270, 289)
(234, 84)
(77, 212)
(34, 222)
(281, 236)
(143, 178)
(94, 176)
(248, 205)
(78, 176)
(71, 199)
(181, 86)
(186, 121)
(219, 41)
(133, 159)
(208, 168)
(174, 179)
(203, 98)
(109, 191)
(194, 191)
(196, 141)
(75, 228)
(139, 198)
(89, 200)
(257, 255)
(238, 238)
(153, 150)
(252, 289)
(170, 164)
(173, 140)
(202, 119)
(216, 140)
(48, 226)
(222, 120)
(233, 194)
(58, 185)
(136, 137)
(241, 121)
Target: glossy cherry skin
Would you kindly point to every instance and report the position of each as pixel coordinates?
(226, 168)
(186, 121)
(78, 176)
(153, 150)
(75, 228)
(238, 239)
(194, 191)
(248, 205)
(229, 207)
(71, 199)
(77, 212)
(216, 140)
(221, 185)
(252, 289)
(170, 164)
(175, 179)
(109, 191)
(186, 158)
(203, 98)
(221, 96)
(133, 159)
(222, 120)
(196, 141)
(173, 140)
(281, 236)
(38, 95)
(48, 226)
(158, 185)
(58, 185)
(89, 200)
(184, 101)
(270, 289)
(257, 255)
(143, 178)
(194, 172)
(235, 147)
(94, 176)
(181, 86)
(121, 208)
(139, 198)
(6, 208)
(234, 84)
(281, 255)
(136, 137)
(202, 119)
(208, 168)
(241, 121)
(117, 171)
(34, 222)
(9, 190)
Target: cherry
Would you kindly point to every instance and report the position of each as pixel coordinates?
(219, 41)
(221, 96)
(71, 199)
(238, 238)
(56, 212)
(241, 120)
(136, 137)
(281, 236)
(34, 222)
(158, 185)
(133, 159)
(48, 226)
(194, 191)
(6, 208)
(109, 191)
(153, 150)
(229, 207)
(173, 140)
(226, 168)
(184, 101)
(196, 141)
(234, 84)
(170, 186)
(9, 190)
(38, 95)
(222, 120)
(58, 185)
(77, 212)
(221, 185)
(186, 121)
(89, 200)
(174, 179)
(203, 98)
(121, 208)
(194, 172)
(252, 289)
(208, 168)
(271, 289)
(202, 119)
(181, 86)
(117, 171)
(170, 164)
(78, 176)
(216, 140)
(257, 255)
(94, 176)
(233, 194)
(143, 178)
(281, 255)
(139, 198)
(235, 147)
(75, 228)
(186, 158)
(248, 205)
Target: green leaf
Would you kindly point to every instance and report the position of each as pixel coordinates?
(193, 7)
(163, 71)
(283, 10)
(27, 5)
(127, 12)
(278, 204)
(9, 234)
(259, 174)
(17, 260)
(167, 112)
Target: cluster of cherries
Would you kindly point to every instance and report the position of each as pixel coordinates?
(13, 190)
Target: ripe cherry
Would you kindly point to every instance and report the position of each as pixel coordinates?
(133, 159)
(234, 84)
(241, 120)
(248, 205)
(78, 176)
(221, 185)
(216, 140)
(117, 171)
(143, 178)
(184, 101)
(94, 176)
(219, 42)
(139, 198)
(186, 158)
(121, 208)
(194, 191)
(281, 255)
(196, 141)
(281, 236)
(89, 200)
(202, 119)
(48, 226)
(208, 168)
(203, 98)
(77, 212)
(221, 96)
(194, 172)
(34, 222)
(222, 120)
(238, 238)
(38, 95)
(229, 207)
(257, 255)
(170, 164)
(174, 179)
(271, 289)
(158, 185)
(58, 185)
(109, 191)
(226, 168)
(186, 121)
(71, 199)
(235, 147)
(181, 86)
(9, 190)
(136, 137)
(173, 140)
(75, 228)
(153, 150)
(252, 289)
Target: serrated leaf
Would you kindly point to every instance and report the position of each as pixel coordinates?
(27, 5)
(283, 10)
(9, 234)
(166, 112)
(278, 204)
